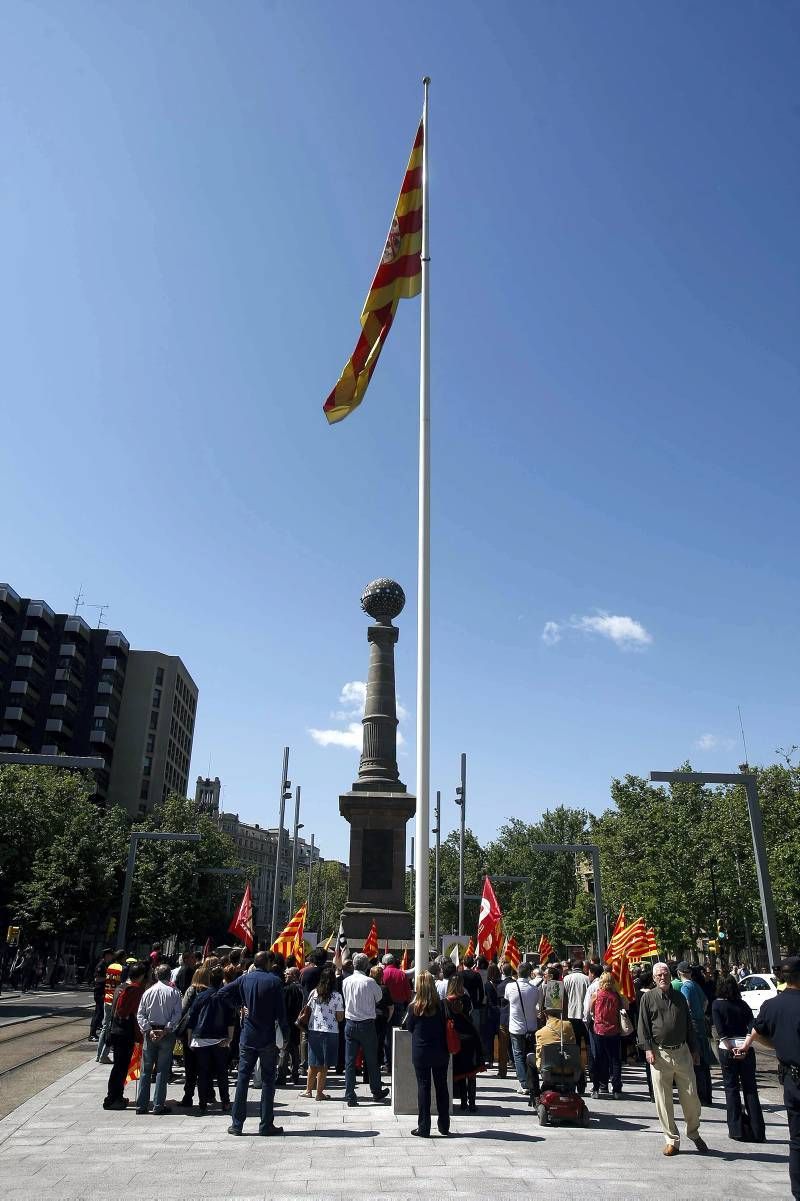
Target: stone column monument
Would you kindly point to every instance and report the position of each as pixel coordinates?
(378, 805)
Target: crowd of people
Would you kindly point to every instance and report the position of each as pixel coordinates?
(239, 1016)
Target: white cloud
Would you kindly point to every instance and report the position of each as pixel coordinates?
(352, 698)
(551, 634)
(714, 742)
(624, 632)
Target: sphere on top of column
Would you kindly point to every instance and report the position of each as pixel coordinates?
(383, 599)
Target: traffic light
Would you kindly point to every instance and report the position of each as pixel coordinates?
(721, 932)
(713, 946)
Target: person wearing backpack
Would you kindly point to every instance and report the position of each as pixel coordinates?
(605, 1006)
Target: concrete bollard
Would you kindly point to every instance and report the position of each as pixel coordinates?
(404, 1079)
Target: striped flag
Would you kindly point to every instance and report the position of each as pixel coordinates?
(370, 947)
(545, 949)
(652, 945)
(470, 948)
(404, 960)
(287, 941)
(342, 946)
(511, 952)
(399, 276)
(622, 974)
(135, 1065)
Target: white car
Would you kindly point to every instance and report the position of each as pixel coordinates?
(757, 989)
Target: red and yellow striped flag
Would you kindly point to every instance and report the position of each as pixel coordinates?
(622, 974)
(652, 945)
(398, 277)
(511, 952)
(287, 941)
(545, 949)
(470, 948)
(404, 960)
(370, 947)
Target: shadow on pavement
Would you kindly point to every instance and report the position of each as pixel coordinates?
(504, 1136)
(340, 1132)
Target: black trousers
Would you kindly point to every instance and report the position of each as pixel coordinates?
(97, 1016)
(212, 1064)
(189, 1067)
(467, 1091)
(122, 1045)
(580, 1031)
(289, 1060)
(424, 1098)
(791, 1098)
(739, 1080)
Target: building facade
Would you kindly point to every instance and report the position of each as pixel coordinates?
(155, 732)
(68, 689)
(206, 795)
(257, 849)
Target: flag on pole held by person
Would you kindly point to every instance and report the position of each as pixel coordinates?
(135, 1065)
(545, 949)
(398, 277)
(489, 922)
(470, 948)
(242, 924)
(511, 952)
(326, 946)
(404, 960)
(622, 974)
(291, 937)
(455, 953)
(652, 945)
(208, 949)
(342, 946)
(370, 947)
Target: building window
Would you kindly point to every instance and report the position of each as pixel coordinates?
(151, 743)
(156, 698)
(145, 790)
(154, 721)
(147, 767)
(99, 723)
(159, 675)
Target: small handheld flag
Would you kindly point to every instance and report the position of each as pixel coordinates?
(545, 949)
(290, 940)
(470, 948)
(511, 952)
(404, 960)
(242, 924)
(370, 947)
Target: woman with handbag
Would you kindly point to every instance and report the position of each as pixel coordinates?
(468, 1061)
(733, 1019)
(605, 1007)
(428, 1023)
(321, 1016)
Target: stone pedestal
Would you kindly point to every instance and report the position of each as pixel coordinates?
(404, 1078)
(378, 805)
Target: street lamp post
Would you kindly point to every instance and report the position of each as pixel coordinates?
(286, 792)
(136, 837)
(438, 832)
(750, 784)
(461, 801)
(310, 871)
(298, 825)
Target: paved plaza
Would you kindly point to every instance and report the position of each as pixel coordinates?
(62, 1145)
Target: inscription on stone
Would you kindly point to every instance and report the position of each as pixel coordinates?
(376, 859)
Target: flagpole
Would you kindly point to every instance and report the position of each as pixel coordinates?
(421, 892)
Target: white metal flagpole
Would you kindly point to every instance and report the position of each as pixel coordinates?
(421, 894)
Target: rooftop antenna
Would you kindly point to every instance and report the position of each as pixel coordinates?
(78, 600)
(741, 727)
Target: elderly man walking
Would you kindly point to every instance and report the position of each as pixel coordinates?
(361, 995)
(667, 1035)
(158, 1015)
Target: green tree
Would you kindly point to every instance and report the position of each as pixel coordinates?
(328, 896)
(171, 893)
(474, 866)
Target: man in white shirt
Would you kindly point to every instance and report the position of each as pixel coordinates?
(158, 1015)
(524, 1002)
(576, 985)
(361, 995)
(595, 972)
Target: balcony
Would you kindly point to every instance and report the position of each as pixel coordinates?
(111, 665)
(101, 711)
(8, 742)
(29, 663)
(35, 638)
(9, 597)
(39, 610)
(57, 725)
(69, 650)
(21, 688)
(17, 713)
(101, 736)
(76, 625)
(60, 700)
(118, 641)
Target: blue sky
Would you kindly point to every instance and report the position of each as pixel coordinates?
(195, 196)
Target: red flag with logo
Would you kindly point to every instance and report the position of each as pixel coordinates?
(489, 922)
(242, 924)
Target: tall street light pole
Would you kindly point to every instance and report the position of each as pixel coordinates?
(298, 825)
(461, 801)
(748, 780)
(286, 793)
(310, 873)
(438, 832)
(136, 837)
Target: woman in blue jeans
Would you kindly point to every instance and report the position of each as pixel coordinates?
(605, 1008)
(327, 1014)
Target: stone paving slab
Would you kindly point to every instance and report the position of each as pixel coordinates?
(62, 1146)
